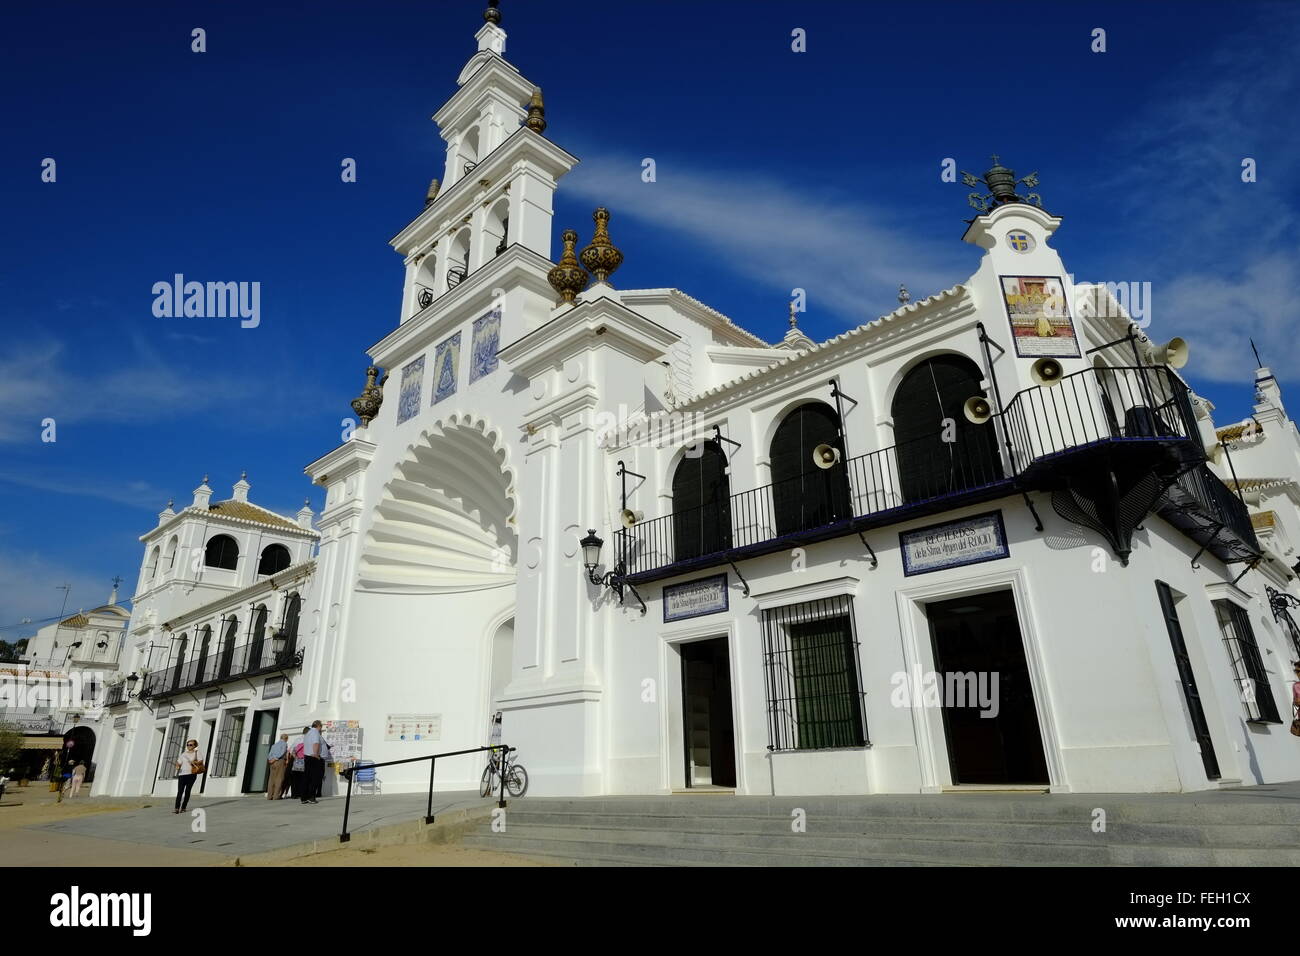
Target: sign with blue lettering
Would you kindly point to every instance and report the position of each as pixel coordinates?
(695, 598)
(954, 543)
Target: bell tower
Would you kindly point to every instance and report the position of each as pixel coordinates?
(498, 178)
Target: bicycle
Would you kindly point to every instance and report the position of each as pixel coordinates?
(516, 776)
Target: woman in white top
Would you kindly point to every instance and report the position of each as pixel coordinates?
(188, 767)
(78, 778)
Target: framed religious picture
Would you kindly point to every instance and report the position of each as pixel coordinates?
(485, 341)
(1039, 312)
(446, 366)
(408, 399)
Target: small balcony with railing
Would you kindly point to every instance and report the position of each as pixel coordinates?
(257, 657)
(1113, 440)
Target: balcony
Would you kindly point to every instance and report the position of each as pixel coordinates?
(1210, 513)
(1134, 421)
(246, 660)
(115, 694)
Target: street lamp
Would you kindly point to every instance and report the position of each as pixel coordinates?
(614, 579)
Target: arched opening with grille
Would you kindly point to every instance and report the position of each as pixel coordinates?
(803, 495)
(275, 558)
(939, 450)
(222, 551)
(701, 503)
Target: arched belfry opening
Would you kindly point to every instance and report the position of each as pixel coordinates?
(939, 450)
(446, 521)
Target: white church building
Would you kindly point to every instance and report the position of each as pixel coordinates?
(991, 539)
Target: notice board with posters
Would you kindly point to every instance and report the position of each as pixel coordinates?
(344, 738)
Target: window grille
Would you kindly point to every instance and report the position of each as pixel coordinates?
(1252, 680)
(814, 697)
(227, 759)
(172, 748)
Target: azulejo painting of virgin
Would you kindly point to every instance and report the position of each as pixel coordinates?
(446, 365)
(408, 399)
(1039, 312)
(486, 341)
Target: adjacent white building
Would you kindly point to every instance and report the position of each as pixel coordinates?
(794, 538)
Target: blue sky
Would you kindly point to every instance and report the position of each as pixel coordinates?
(775, 169)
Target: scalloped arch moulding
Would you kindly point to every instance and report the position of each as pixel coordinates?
(446, 520)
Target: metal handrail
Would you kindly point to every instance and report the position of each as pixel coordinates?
(349, 772)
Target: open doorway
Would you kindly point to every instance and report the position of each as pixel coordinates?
(259, 745)
(989, 715)
(710, 743)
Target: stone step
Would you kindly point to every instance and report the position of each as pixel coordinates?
(711, 847)
(921, 847)
(1079, 830)
(954, 808)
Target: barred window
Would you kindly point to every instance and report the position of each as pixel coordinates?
(226, 761)
(814, 697)
(1243, 651)
(176, 735)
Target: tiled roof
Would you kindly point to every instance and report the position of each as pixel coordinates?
(1255, 484)
(251, 512)
(1234, 432)
(912, 307)
(77, 620)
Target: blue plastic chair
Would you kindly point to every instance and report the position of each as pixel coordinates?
(366, 775)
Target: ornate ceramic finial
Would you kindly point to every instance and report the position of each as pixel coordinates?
(568, 278)
(366, 405)
(904, 296)
(794, 321)
(601, 258)
(1001, 184)
(432, 194)
(536, 120)
(492, 14)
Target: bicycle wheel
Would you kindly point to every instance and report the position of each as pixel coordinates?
(517, 781)
(485, 785)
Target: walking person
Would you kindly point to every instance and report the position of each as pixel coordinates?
(278, 764)
(188, 767)
(77, 779)
(313, 765)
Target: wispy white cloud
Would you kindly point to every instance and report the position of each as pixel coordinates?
(1226, 250)
(28, 589)
(846, 253)
(133, 494)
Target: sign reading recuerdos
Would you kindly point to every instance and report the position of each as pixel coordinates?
(954, 543)
(695, 598)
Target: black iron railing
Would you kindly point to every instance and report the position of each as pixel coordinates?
(246, 660)
(1199, 497)
(115, 694)
(350, 772)
(962, 461)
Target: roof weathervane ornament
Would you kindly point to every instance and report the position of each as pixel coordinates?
(568, 277)
(1001, 184)
(601, 258)
(904, 296)
(492, 14)
(536, 120)
(367, 404)
(794, 321)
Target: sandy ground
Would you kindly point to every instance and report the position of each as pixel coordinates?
(33, 805)
(25, 807)
(409, 854)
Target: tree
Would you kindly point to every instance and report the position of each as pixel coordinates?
(11, 745)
